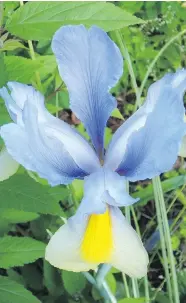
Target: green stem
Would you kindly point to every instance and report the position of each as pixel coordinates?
(126, 56)
(102, 272)
(151, 66)
(168, 241)
(104, 289)
(33, 57)
(161, 217)
(126, 285)
(146, 284)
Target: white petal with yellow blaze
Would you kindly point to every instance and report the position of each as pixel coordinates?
(8, 166)
(129, 254)
(64, 249)
(84, 242)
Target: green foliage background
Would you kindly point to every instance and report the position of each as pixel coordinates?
(29, 208)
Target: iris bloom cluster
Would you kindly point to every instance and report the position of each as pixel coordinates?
(144, 146)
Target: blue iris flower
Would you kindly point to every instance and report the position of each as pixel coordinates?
(144, 146)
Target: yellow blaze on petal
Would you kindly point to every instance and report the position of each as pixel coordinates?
(97, 244)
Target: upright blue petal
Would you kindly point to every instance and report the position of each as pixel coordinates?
(148, 143)
(90, 64)
(43, 143)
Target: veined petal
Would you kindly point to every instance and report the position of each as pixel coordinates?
(104, 187)
(44, 143)
(19, 94)
(90, 64)
(63, 250)
(8, 166)
(129, 254)
(147, 143)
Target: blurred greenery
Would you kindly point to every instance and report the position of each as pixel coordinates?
(30, 209)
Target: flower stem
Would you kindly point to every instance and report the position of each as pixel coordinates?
(169, 244)
(165, 240)
(103, 289)
(102, 272)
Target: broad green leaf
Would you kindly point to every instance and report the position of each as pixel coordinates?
(39, 20)
(15, 276)
(23, 193)
(146, 194)
(11, 44)
(17, 251)
(13, 292)
(20, 69)
(48, 65)
(17, 216)
(73, 282)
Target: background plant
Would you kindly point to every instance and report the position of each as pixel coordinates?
(151, 36)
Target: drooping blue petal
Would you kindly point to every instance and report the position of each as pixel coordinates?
(90, 64)
(47, 145)
(148, 143)
(104, 187)
(19, 94)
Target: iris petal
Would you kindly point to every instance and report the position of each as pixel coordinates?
(63, 251)
(43, 143)
(90, 64)
(147, 144)
(104, 187)
(129, 254)
(8, 166)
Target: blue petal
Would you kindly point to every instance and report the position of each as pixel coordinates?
(47, 145)
(148, 143)
(19, 93)
(90, 64)
(104, 187)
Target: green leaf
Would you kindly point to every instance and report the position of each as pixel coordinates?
(52, 280)
(22, 193)
(48, 65)
(146, 194)
(32, 276)
(17, 216)
(111, 282)
(15, 276)
(13, 292)
(73, 282)
(17, 251)
(3, 72)
(20, 69)
(39, 20)
(11, 44)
